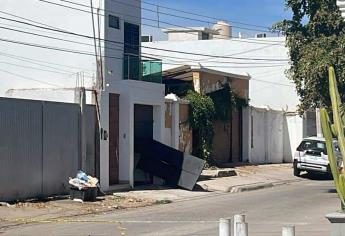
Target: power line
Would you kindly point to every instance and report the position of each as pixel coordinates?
(276, 83)
(240, 53)
(40, 62)
(204, 16)
(206, 59)
(35, 68)
(23, 18)
(252, 79)
(85, 11)
(55, 38)
(52, 48)
(153, 48)
(90, 54)
(86, 53)
(144, 54)
(163, 13)
(28, 78)
(217, 66)
(198, 61)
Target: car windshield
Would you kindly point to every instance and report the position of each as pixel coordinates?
(312, 145)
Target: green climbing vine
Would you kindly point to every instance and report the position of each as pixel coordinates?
(225, 101)
(205, 109)
(201, 120)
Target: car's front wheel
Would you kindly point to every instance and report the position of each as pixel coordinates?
(329, 172)
(296, 171)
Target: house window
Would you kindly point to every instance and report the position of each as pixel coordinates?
(132, 64)
(205, 36)
(114, 22)
(131, 39)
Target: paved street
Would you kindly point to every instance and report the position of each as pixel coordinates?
(302, 204)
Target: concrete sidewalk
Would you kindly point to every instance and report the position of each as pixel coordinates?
(247, 178)
(251, 177)
(244, 178)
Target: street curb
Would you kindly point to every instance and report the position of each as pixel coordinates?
(247, 188)
(218, 174)
(252, 187)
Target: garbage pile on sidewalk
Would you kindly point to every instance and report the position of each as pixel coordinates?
(83, 187)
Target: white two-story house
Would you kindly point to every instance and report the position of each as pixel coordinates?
(47, 48)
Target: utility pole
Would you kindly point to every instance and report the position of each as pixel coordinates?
(80, 98)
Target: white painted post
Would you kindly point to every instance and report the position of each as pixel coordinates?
(224, 227)
(238, 219)
(82, 103)
(318, 123)
(242, 229)
(288, 231)
(175, 129)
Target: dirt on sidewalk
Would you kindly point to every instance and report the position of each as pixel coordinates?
(52, 209)
(248, 177)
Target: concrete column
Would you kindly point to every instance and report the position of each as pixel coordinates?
(318, 124)
(81, 99)
(242, 229)
(224, 227)
(238, 219)
(158, 122)
(246, 133)
(175, 129)
(288, 231)
(266, 136)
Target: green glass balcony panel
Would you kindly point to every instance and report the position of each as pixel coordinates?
(152, 71)
(131, 67)
(146, 70)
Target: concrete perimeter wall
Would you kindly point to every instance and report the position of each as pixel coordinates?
(272, 136)
(40, 147)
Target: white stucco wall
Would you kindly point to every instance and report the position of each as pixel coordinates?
(269, 85)
(182, 36)
(258, 152)
(293, 135)
(131, 93)
(274, 136)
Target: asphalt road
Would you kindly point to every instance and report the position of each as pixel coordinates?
(302, 204)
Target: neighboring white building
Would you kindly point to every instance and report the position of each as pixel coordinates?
(272, 129)
(269, 85)
(24, 67)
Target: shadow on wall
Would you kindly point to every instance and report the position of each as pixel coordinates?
(288, 154)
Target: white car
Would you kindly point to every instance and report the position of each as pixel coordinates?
(311, 156)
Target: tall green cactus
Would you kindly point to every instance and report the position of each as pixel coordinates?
(334, 130)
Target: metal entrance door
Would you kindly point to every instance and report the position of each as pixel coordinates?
(113, 139)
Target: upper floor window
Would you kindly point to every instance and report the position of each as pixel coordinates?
(205, 36)
(131, 39)
(114, 22)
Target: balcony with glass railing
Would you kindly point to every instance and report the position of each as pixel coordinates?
(143, 69)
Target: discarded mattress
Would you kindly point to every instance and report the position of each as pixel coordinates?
(175, 167)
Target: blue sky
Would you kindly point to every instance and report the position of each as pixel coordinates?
(258, 12)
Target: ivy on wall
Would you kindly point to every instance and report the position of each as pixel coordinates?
(225, 101)
(205, 109)
(201, 119)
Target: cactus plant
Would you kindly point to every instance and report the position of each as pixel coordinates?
(334, 130)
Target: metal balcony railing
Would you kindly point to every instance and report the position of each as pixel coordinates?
(138, 68)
